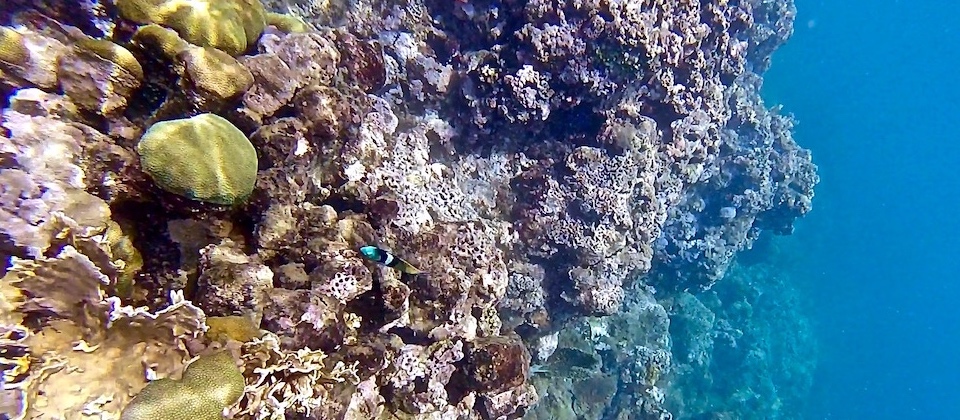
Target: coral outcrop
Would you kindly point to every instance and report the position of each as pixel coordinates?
(203, 158)
(232, 25)
(187, 185)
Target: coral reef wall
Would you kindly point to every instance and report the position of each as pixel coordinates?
(549, 184)
(743, 349)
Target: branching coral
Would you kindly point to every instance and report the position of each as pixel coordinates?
(282, 382)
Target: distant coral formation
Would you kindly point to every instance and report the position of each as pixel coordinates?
(187, 186)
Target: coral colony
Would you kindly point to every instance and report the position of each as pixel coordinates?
(188, 201)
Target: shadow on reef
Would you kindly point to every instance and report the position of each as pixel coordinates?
(189, 193)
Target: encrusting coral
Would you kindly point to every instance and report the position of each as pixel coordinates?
(80, 75)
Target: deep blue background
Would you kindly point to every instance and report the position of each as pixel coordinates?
(875, 86)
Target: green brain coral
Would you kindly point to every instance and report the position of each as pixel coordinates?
(160, 40)
(229, 25)
(209, 384)
(287, 23)
(215, 73)
(204, 158)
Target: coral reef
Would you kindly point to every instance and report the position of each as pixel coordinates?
(194, 180)
(65, 371)
(744, 349)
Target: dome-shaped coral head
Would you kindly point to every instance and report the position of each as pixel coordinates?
(387, 258)
(232, 26)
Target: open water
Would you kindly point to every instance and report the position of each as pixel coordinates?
(874, 86)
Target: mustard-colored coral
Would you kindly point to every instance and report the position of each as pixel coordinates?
(113, 53)
(12, 48)
(126, 256)
(204, 158)
(287, 23)
(239, 328)
(160, 40)
(214, 73)
(209, 385)
(228, 25)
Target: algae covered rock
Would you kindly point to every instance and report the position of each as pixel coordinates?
(12, 48)
(229, 25)
(209, 385)
(204, 158)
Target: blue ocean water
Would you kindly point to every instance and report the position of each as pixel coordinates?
(874, 85)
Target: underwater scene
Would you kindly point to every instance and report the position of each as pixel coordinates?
(873, 85)
(477, 209)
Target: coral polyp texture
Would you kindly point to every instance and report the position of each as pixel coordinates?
(203, 157)
(229, 25)
(209, 385)
(187, 187)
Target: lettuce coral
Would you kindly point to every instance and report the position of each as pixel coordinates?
(81, 329)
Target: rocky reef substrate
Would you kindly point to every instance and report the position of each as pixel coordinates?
(184, 196)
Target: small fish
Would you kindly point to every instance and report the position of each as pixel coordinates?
(386, 258)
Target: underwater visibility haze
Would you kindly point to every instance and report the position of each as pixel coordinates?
(476, 209)
(873, 85)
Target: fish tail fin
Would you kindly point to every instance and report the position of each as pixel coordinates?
(408, 268)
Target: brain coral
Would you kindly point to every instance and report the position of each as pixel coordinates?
(228, 25)
(205, 158)
(209, 385)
